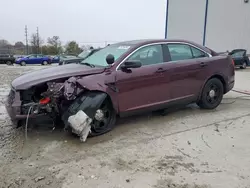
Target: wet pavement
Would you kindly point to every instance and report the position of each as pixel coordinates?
(187, 148)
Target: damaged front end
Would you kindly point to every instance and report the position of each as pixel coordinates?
(82, 112)
(65, 100)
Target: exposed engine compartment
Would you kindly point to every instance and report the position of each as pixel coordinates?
(50, 98)
(64, 102)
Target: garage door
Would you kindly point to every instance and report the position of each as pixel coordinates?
(228, 25)
(186, 20)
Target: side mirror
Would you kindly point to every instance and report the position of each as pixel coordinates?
(131, 64)
(110, 59)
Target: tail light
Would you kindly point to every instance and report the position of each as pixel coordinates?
(233, 62)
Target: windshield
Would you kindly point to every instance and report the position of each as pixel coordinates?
(84, 54)
(238, 54)
(99, 58)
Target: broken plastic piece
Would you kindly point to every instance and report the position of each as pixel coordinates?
(89, 102)
(80, 124)
(44, 100)
(70, 88)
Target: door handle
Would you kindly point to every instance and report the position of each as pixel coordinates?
(160, 70)
(203, 64)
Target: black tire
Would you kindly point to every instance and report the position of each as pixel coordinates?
(212, 94)
(45, 63)
(23, 63)
(99, 127)
(244, 65)
(9, 63)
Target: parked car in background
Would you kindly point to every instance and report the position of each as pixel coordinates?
(18, 56)
(124, 79)
(240, 58)
(62, 57)
(7, 59)
(34, 59)
(79, 58)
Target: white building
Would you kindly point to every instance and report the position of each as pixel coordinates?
(218, 24)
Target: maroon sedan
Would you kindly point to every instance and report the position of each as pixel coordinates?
(124, 79)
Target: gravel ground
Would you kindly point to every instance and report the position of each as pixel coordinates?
(187, 148)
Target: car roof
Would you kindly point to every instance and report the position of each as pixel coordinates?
(145, 41)
(237, 50)
(142, 42)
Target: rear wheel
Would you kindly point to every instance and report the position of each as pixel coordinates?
(244, 65)
(45, 63)
(9, 63)
(23, 63)
(212, 94)
(104, 120)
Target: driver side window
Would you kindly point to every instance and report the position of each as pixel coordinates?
(148, 55)
(32, 56)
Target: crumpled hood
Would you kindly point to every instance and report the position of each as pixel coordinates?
(37, 77)
(70, 58)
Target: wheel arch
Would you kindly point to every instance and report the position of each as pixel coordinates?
(20, 63)
(109, 97)
(219, 77)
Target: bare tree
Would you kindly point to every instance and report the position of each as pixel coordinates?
(55, 44)
(36, 41)
(4, 42)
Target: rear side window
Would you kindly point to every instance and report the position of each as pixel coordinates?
(183, 52)
(180, 52)
(198, 53)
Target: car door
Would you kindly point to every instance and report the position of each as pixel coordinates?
(31, 59)
(186, 70)
(39, 59)
(142, 88)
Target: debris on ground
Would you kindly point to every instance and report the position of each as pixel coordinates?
(216, 128)
(39, 178)
(80, 124)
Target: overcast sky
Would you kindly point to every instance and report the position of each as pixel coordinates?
(83, 20)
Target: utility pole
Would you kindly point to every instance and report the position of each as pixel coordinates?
(166, 21)
(38, 40)
(26, 38)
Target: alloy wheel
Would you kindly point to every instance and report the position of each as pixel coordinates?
(102, 118)
(213, 94)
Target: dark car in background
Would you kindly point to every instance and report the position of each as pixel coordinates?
(62, 57)
(34, 59)
(79, 58)
(7, 59)
(240, 58)
(124, 79)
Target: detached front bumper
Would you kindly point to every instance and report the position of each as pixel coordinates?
(13, 106)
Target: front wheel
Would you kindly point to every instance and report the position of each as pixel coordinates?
(104, 120)
(244, 65)
(212, 94)
(23, 63)
(9, 63)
